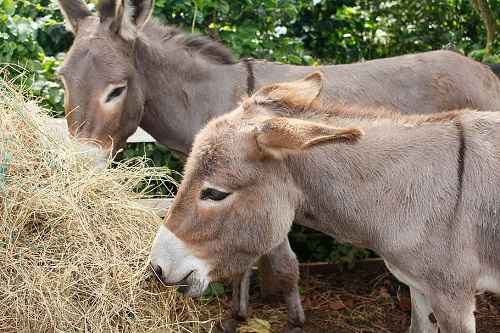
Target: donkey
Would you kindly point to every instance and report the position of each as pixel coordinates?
(124, 70)
(422, 191)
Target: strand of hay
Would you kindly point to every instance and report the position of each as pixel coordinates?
(74, 243)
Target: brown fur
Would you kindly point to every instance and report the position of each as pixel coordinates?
(422, 191)
(277, 134)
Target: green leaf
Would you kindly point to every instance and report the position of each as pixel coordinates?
(8, 7)
(215, 289)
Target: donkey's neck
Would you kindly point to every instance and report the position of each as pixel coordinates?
(372, 190)
(184, 90)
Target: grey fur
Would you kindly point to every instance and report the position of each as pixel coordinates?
(422, 191)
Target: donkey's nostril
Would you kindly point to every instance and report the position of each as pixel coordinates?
(156, 270)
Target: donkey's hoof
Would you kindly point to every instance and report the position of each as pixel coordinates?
(230, 325)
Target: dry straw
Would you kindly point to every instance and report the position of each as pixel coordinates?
(74, 242)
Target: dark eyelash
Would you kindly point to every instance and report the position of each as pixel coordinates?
(213, 194)
(115, 93)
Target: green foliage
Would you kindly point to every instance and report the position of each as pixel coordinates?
(292, 31)
(157, 155)
(32, 36)
(314, 246)
(214, 290)
(331, 31)
(251, 28)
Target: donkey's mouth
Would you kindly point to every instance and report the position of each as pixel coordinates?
(193, 285)
(183, 285)
(157, 272)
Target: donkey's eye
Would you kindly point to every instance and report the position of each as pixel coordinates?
(115, 93)
(213, 194)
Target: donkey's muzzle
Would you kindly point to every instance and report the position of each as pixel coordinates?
(183, 285)
(174, 264)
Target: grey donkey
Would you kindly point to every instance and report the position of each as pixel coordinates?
(423, 191)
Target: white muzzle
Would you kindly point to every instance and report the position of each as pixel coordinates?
(175, 264)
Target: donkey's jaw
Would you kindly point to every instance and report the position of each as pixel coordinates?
(175, 264)
(194, 286)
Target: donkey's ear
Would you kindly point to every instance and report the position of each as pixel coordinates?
(73, 11)
(279, 137)
(296, 94)
(129, 16)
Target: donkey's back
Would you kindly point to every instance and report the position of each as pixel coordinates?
(418, 83)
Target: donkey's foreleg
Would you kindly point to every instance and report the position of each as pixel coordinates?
(454, 312)
(279, 276)
(420, 313)
(296, 316)
(240, 300)
(239, 303)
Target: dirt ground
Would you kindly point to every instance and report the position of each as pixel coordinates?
(363, 300)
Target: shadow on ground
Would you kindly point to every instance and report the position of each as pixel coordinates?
(363, 300)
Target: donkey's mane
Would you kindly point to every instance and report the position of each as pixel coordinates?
(379, 113)
(328, 113)
(210, 49)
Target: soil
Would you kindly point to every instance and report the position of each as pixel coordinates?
(362, 300)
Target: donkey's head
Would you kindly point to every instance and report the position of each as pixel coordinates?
(103, 97)
(238, 199)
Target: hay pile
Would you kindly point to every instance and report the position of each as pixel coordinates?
(73, 242)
